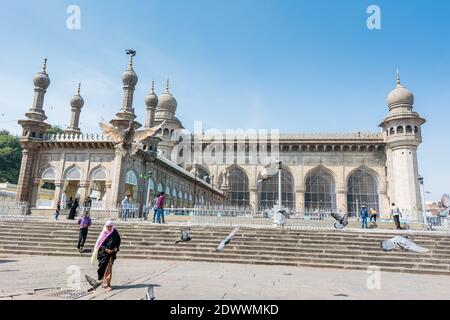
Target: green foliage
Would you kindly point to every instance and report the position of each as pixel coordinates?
(10, 157)
(54, 130)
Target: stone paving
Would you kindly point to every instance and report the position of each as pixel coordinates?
(36, 277)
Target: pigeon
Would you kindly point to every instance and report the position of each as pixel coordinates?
(149, 295)
(94, 283)
(185, 236)
(227, 240)
(342, 221)
(403, 243)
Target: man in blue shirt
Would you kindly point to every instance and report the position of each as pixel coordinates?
(364, 216)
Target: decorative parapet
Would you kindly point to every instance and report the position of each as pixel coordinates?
(76, 137)
(331, 136)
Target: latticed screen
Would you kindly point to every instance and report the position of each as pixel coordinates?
(320, 195)
(268, 191)
(362, 190)
(238, 183)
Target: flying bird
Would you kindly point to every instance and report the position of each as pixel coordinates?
(131, 52)
(149, 295)
(127, 137)
(403, 243)
(94, 283)
(342, 221)
(185, 236)
(227, 240)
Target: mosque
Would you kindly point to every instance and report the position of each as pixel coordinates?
(320, 172)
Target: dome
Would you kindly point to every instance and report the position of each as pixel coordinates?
(77, 101)
(41, 80)
(151, 100)
(400, 95)
(129, 77)
(167, 101)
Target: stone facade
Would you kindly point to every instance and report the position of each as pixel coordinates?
(321, 172)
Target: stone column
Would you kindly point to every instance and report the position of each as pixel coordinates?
(300, 200)
(84, 186)
(25, 184)
(58, 192)
(118, 182)
(34, 193)
(341, 200)
(253, 197)
(107, 197)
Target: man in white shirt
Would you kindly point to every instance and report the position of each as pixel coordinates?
(395, 213)
(125, 207)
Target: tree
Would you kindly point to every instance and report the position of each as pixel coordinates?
(10, 157)
(54, 130)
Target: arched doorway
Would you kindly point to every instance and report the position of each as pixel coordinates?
(239, 189)
(72, 185)
(268, 191)
(98, 188)
(131, 185)
(362, 190)
(320, 195)
(46, 191)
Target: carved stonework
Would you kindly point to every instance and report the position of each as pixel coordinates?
(76, 157)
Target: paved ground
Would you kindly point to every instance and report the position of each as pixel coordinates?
(35, 277)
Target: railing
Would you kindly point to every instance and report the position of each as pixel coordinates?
(124, 213)
(13, 211)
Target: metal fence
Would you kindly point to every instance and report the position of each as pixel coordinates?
(13, 211)
(120, 212)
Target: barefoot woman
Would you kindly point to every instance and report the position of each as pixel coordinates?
(105, 251)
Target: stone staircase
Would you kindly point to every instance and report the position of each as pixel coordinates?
(321, 249)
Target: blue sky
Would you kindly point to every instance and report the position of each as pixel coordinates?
(301, 66)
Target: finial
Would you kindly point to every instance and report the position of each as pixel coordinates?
(153, 87)
(398, 78)
(167, 85)
(79, 88)
(44, 66)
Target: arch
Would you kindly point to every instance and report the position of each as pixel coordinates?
(416, 129)
(49, 174)
(98, 174)
(268, 190)
(400, 130)
(151, 184)
(239, 187)
(167, 192)
(73, 173)
(392, 131)
(174, 193)
(180, 195)
(320, 193)
(409, 129)
(166, 133)
(160, 188)
(362, 189)
(131, 178)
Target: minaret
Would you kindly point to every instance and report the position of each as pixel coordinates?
(76, 103)
(402, 133)
(34, 127)
(126, 113)
(151, 102)
(165, 111)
